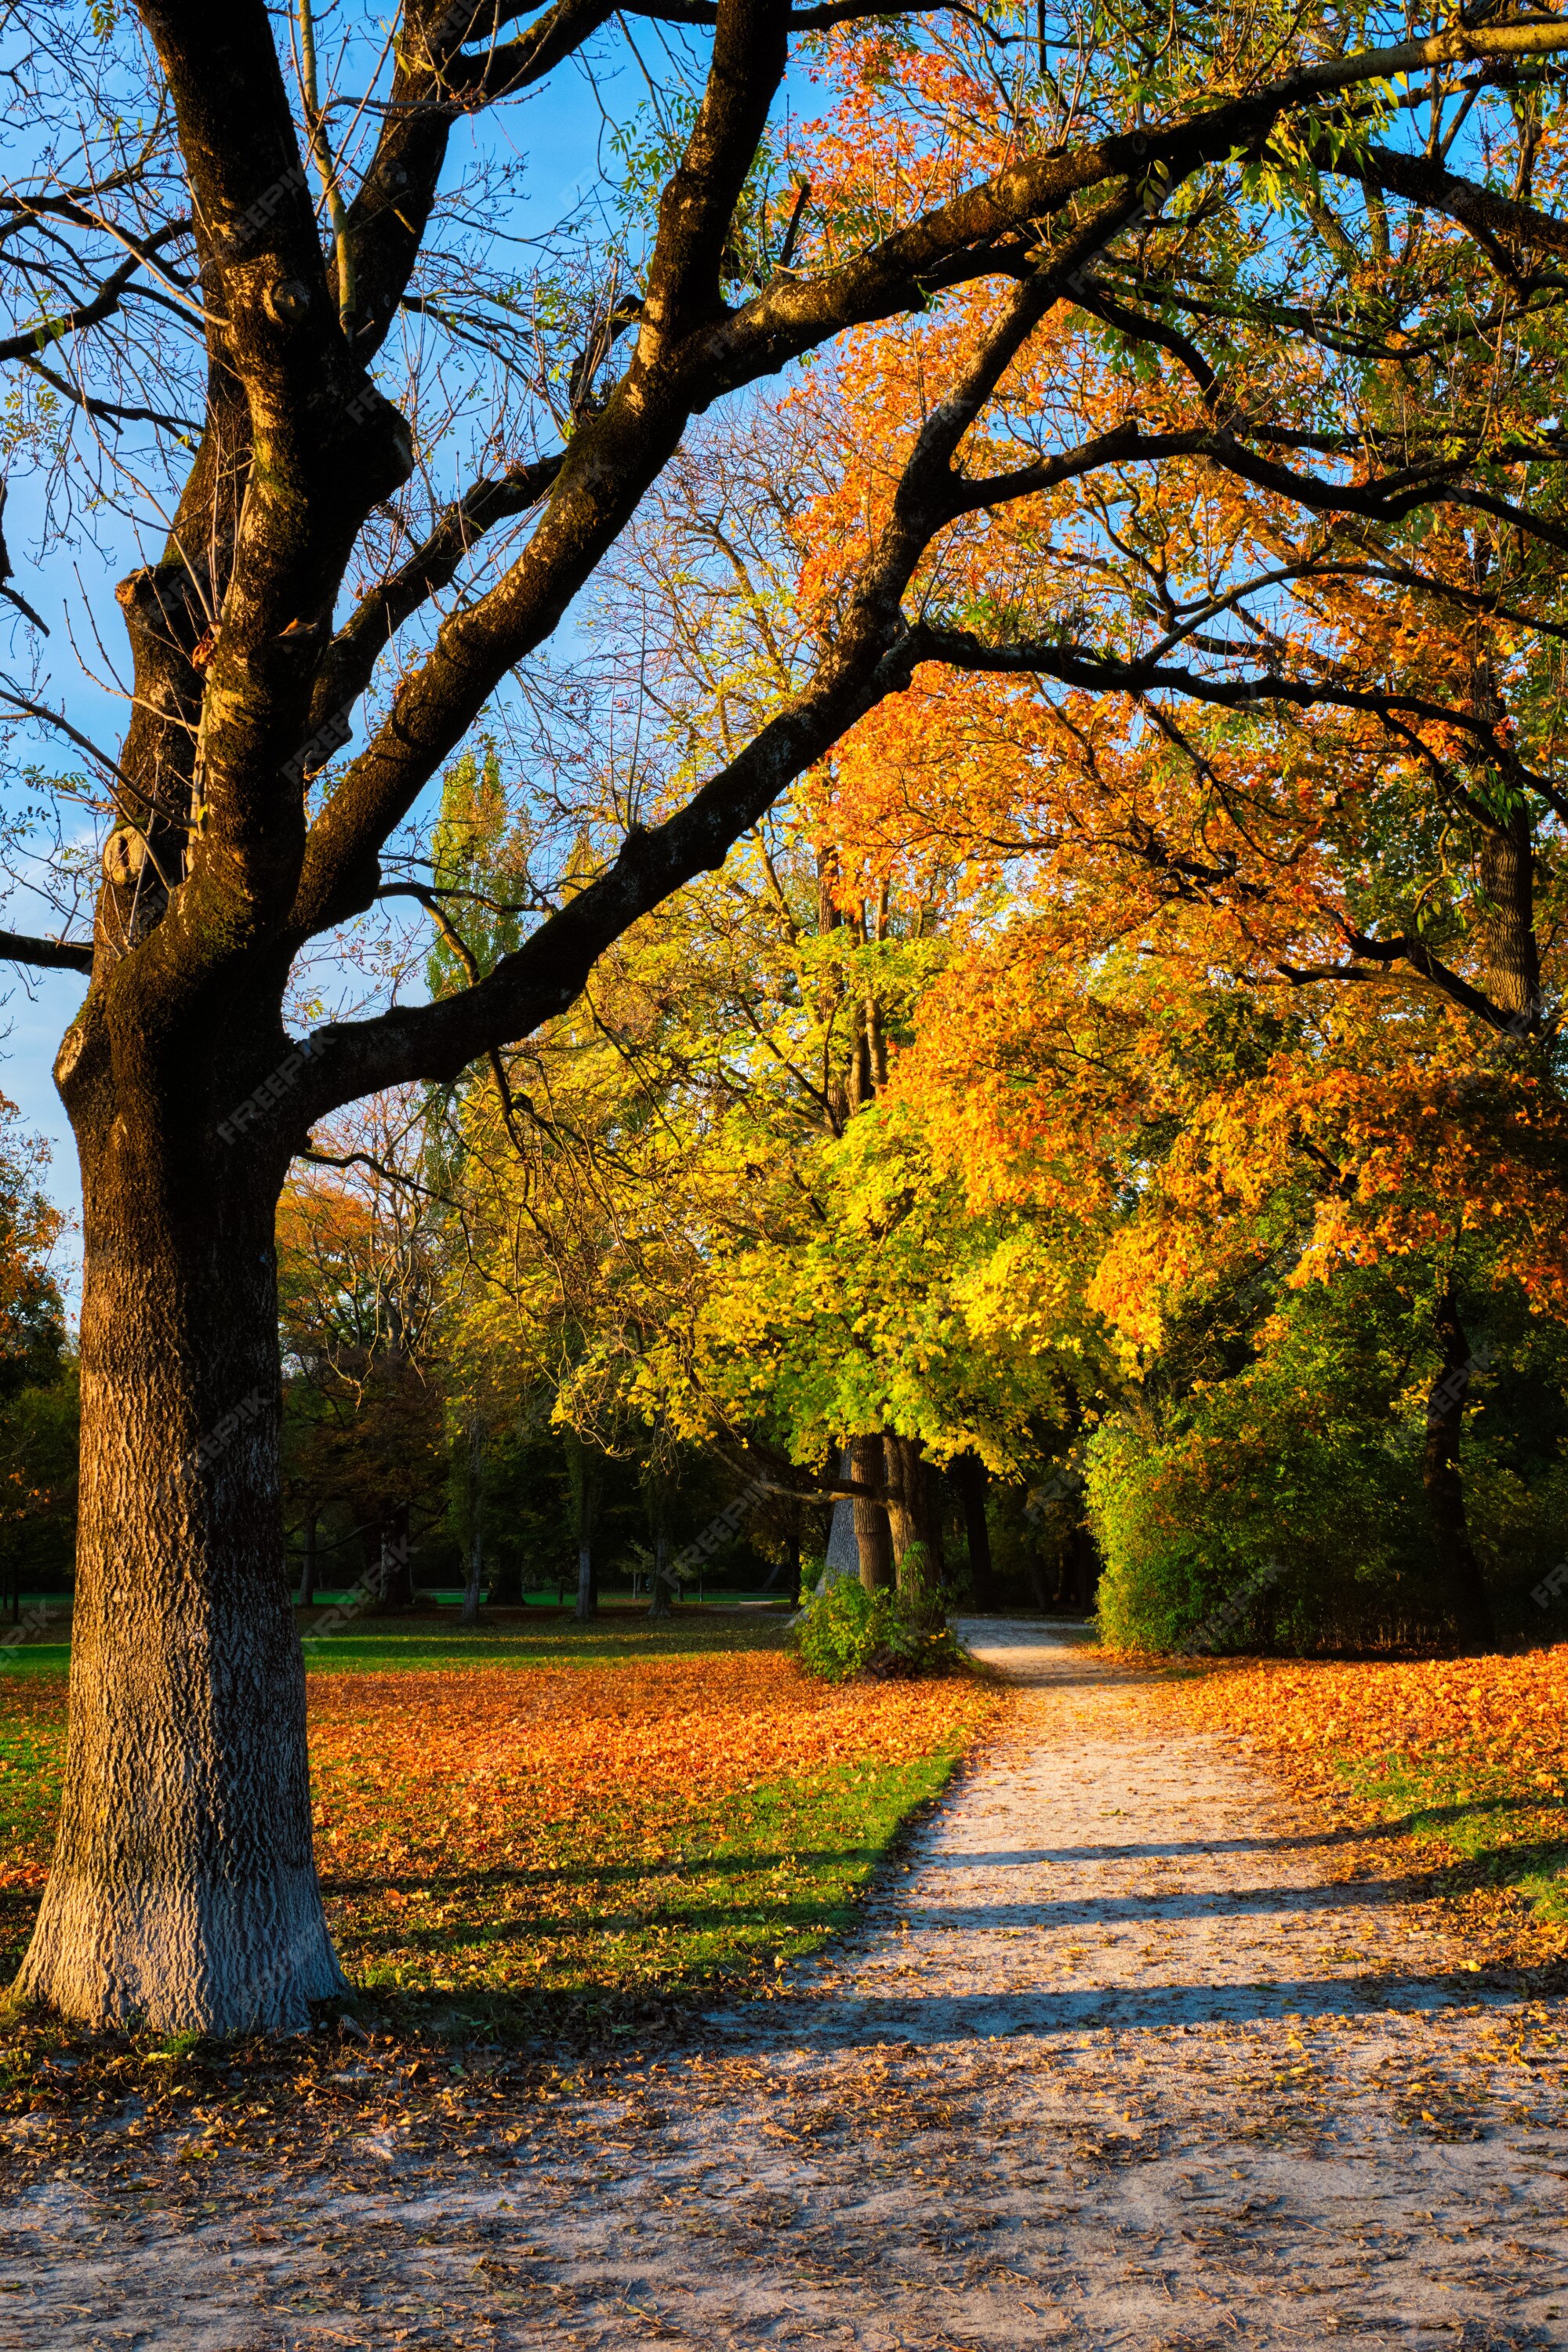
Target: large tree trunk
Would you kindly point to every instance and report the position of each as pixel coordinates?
(867, 1468)
(1457, 1563)
(183, 1890)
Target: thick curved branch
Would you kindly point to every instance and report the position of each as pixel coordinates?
(328, 445)
(872, 660)
(1490, 217)
(543, 977)
(352, 657)
(603, 473)
(236, 130)
(697, 209)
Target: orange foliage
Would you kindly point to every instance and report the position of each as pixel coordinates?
(1101, 865)
(485, 1763)
(1470, 1714)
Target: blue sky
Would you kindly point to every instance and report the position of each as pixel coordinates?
(558, 130)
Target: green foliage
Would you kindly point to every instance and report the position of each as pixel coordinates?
(649, 147)
(891, 1304)
(1282, 1508)
(40, 1436)
(842, 1630)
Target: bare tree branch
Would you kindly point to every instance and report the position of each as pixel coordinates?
(52, 955)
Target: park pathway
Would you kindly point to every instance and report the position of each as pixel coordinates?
(1122, 2052)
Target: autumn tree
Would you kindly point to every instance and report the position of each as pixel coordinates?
(321, 568)
(39, 1402)
(659, 1214)
(364, 1298)
(1322, 764)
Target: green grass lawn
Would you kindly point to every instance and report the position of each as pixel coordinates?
(1513, 1840)
(680, 1909)
(427, 1638)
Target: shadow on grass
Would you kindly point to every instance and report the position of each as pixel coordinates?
(724, 1917)
(1495, 1831)
(523, 1638)
(788, 1920)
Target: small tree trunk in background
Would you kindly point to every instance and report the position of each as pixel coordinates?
(971, 1479)
(930, 1509)
(476, 1530)
(394, 1578)
(902, 1511)
(506, 1582)
(873, 1538)
(914, 1514)
(659, 1596)
(1458, 1565)
(308, 1569)
(587, 1566)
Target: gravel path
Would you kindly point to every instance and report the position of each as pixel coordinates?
(1122, 2056)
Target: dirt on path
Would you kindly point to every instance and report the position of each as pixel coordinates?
(1124, 2053)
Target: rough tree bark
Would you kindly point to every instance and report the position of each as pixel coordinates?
(867, 1468)
(182, 1880)
(1508, 883)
